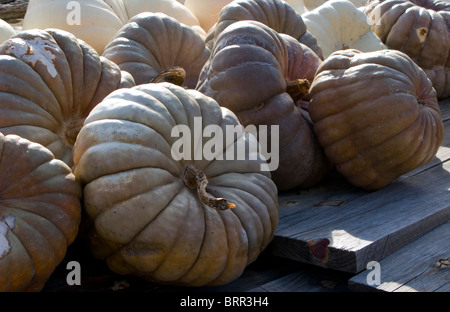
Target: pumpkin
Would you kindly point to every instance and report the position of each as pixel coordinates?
(94, 22)
(276, 14)
(165, 215)
(6, 30)
(50, 82)
(376, 115)
(97, 21)
(313, 4)
(260, 75)
(338, 25)
(417, 28)
(153, 43)
(207, 11)
(298, 6)
(39, 213)
(169, 7)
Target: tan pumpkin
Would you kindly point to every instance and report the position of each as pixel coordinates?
(419, 28)
(376, 115)
(51, 81)
(152, 43)
(39, 213)
(260, 75)
(276, 14)
(168, 218)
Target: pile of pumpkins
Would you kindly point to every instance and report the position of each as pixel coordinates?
(88, 105)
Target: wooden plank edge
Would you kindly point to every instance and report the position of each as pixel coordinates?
(318, 252)
(423, 265)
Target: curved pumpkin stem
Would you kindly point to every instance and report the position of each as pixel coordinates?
(298, 89)
(175, 75)
(194, 178)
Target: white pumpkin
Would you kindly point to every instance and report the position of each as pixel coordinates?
(312, 4)
(94, 21)
(97, 21)
(338, 25)
(207, 11)
(171, 8)
(6, 30)
(298, 6)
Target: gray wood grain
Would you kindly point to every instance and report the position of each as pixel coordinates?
(419, 266)
(339, 227)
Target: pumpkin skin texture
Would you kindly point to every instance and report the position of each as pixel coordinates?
(207, 11)
(249, 72)
(152, 43)
(146, 219)
(6, 31)
(51, 82)
(376, 115)
(172, 8)
(39, 213)
(338, 25)
(421, 29)
(276, 14)
(96, 22)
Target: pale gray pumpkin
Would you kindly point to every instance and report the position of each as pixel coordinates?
(162, 218)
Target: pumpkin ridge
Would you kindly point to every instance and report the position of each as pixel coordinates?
(30, 261)
(113, 206)
(44, 238)
(17, 62)
(49, 206)
(174, 242)
(253, 229)
(355, 132)
(265, 216)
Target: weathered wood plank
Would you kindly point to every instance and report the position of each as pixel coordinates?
(307, 279)
(423, 265)
(340, 227)
(13, 10)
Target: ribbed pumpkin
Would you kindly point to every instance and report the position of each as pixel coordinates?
(207, 11)
(376, 115)
(94, 22)
(339, 24)
(419, 28)
(39, 213)
(276, 14)
(259, 74)
(97, 21)
(167, 218)
(152, 43)
(50, 82)
(173, 8)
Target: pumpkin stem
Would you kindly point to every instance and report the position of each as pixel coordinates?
(194, 178)
(175, 75)
(72, 130)
(297, 89)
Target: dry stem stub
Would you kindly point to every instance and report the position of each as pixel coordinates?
(175, 75)
(298, 89)
(196, 179)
